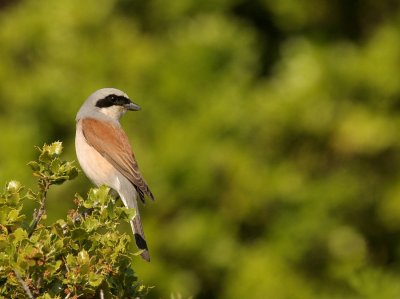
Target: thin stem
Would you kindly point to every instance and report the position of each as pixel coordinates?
(23, 285)
(39, 214)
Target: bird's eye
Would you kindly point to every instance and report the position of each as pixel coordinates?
(110, 100)
(113, 99)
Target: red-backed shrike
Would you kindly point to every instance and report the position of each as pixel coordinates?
(105, 155)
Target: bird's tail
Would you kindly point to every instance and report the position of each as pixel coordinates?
(140, 239)
(129, 200)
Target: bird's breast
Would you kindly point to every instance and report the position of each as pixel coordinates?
(93, 164)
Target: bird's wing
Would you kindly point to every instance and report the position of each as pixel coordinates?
(113, 144)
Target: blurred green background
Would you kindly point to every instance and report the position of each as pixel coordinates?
(269, 133)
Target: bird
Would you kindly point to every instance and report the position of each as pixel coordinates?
(105, 154)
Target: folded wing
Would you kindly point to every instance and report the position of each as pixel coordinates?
(113, 144)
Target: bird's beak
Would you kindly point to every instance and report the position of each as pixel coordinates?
(132, 106)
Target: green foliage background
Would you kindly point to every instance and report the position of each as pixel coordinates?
(269, 133)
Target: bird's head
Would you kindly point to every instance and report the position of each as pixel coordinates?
(108, 103)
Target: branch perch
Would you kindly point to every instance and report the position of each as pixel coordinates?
(23, 285)
(39, 213)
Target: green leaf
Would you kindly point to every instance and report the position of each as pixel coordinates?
(3, 217)
(72, 173)
(95, 279)
(4, 242)
(83, 257)
(59, 180)
(129, 213)
(70, 260)
(12, 195)
(35, 166)
(18, 235)
(14, 216)
(32, 195)
(79, 234)
(91, 224)
(47, 296)
(55, 165)
(100, 194)
(45, 157)
(13, 186)
(58, 228)
(55, 149)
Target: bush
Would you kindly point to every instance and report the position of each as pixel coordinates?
(83, 255)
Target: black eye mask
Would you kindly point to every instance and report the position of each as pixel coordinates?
(112, 100)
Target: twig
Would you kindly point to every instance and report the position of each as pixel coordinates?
(23, 285)
(39, 214)
(65, 263)
(101, 294)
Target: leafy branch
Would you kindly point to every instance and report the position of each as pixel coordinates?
(23, 285)
(83, 255)
(49, 170)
